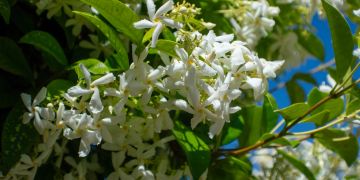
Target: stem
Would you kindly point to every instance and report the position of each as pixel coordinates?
(244, 150)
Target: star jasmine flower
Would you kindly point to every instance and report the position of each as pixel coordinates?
(95, 104)
(35, 111)
(157, 20)
(79, 127)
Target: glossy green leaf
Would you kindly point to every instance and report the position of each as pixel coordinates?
(47, 43)
(5, 10)
(353, 106)
(294, 111)
(12, 59)
(297, 164)
(334, 106)
(120, 16)
(197, 151)
(269, 117)
(16, 139)
(232, 130)
(230, 168)
(311, 43)
(342, 143)
(319, 119)
(112, 36)
(57, 87)
(342, 40)
(93, 65)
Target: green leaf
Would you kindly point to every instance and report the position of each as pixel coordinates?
(47, 43)
(342, 143)
(319, 119)
(230, 168)
(294, 111)
(16, 139)
(93, 65)
(305, 77)
(270, 117)
(57, 87)
(232, 130)
(311, 43)
(295, 91)
(353, 106)
(12, 59)
(334, 106)
(167, 47)
(5, 10)
(148, 35)
(341, 39)
(120, 16)
(112, 36)
(197, 151)
(297, 164)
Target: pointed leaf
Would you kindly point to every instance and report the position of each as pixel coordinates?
(5, 10)
(342, 40)
(334, 106)
(293, 111)
(298, 165)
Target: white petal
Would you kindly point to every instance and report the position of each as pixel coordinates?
(39, 125)
(106, 134)
(76, 91)
(150, 8)
(357, 12)
(106, 79)
(225, 38)
(84, 149)
(183, 105)
(270, 67)
(237, 57)
(27, 117)
(26, 98)
(156, 34)
(164, 8)
(142, 24)
(86, 74)
(95, 104)
(40, 96)
(330, 80)
(216, 128)
(171, 23)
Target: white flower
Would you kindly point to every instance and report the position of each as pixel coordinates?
(35, 111)
(357, 12)
(79, 127)
(95, 104)
(157, 20)
(327, 88)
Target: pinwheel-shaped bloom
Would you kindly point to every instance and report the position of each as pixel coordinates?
(95, 105)
(157, 20)
(35, 111)
(79, 126)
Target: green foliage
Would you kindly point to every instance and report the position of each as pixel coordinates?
(120, 16)
(16, 139)
(297, 164)
(57, 87)
(319, 118)
(341, 39)
(311, 43)
(167, 47)
(13, 60)
(342, 143)
(47, 43)
(294, 111)
(334, 106)
(295, 91)
(5, 10)
(122, 61)
(93, 65)
(230, 168)
(197, 151)
(258, 120)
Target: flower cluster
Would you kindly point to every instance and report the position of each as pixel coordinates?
(130, 114)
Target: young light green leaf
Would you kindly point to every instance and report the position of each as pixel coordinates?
(341, 39)
(167, 47)
(112, 36)
(5, 10)
(45, 42)
(230, 168)
(120, 16)
(93, 65)
(342, 143)
(297, 164)
(12, 59)
(16, 139)
(57, 87)
(196, 150)
(311, 43)
(334, 106)
(294, 111)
